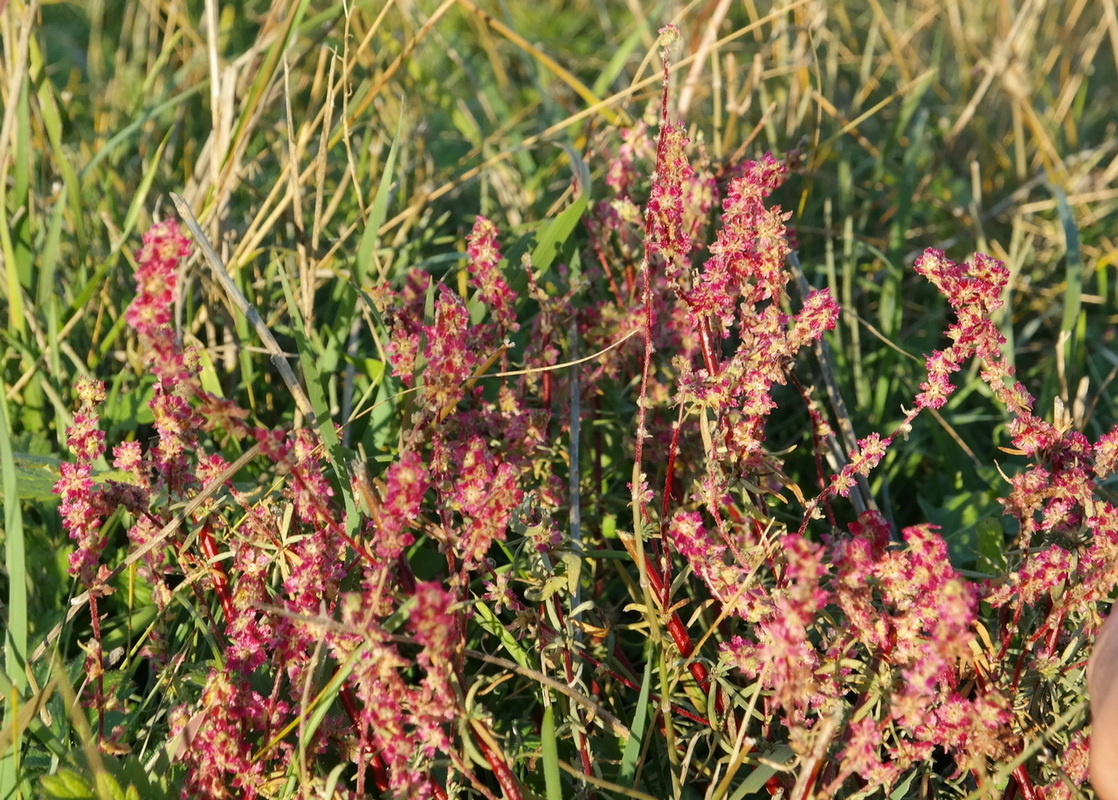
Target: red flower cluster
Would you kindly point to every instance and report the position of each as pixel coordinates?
(83, 507)
(860, 624)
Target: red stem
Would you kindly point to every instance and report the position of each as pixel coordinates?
(686, 647)
(1021, 777)
(99, 690)
(220, 580)
(583, 748)
(706, 343)
(817, 446)
(653, 698)
(507, 781)
(665, 545)
(349, 703)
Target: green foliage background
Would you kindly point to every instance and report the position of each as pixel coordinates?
(966, 126)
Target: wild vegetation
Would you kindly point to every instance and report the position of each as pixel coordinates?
(558, 399)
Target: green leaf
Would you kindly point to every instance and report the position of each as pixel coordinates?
(1073, 291)
(16, 612)
(903, 787)
(632, 750)
(308, 360)
(108, 788)
(552, 783)
(493, 625)
(991, 546)
(780, 754)
(33, 477)
(555, 233)
(66, 784)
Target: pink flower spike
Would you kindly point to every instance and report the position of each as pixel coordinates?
(747, 257)
(450, 360)
(1106, 454)
(973, 288)
(406, 481)
(485, 273)
(667, 234)
(156, 291)
(83, 505)
(868, 455)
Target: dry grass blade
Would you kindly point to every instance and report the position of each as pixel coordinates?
(279, 359)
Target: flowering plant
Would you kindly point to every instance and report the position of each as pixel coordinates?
(390, 633)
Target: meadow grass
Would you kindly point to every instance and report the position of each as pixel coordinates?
(329, 151)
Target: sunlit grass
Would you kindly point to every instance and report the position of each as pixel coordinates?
(326, 149)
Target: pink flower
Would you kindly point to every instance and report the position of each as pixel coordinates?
(217, 740)
(436, 628)
(747, 257)
(727, 582)
(1106, 454)
(868, 455)
(84, 506)
(1074, 763)
(157, 288)
(450, 356)
(861, 756)
(974, 291)
(667, 235)
(484, 270)
(784, 656)
(622, 174)
(485, 492)
(405, 313)
(406, 481)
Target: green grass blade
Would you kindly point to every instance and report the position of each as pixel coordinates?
(620, 59)
(367, 247)
(15, 638)
(139, 198)
(308, 361)
(759, 777)
(632, 752)
(53, 126)
(493, 625)
(15, 225)
(552, 783)
(556, 232)
(1073, 292)
(266, 72)
(122, 137)
(379, 211)
(322, 703)
(14, 558)
(48, 259)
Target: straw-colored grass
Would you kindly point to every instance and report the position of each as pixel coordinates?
(326, 148)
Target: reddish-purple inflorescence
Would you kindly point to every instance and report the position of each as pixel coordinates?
(406, 481)
(860, 624)
(667, 235)
(485, 492)
(747, 258)
(449, 352)
(150, 313)
(216, 741)
(484, 260)
(83, 505)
